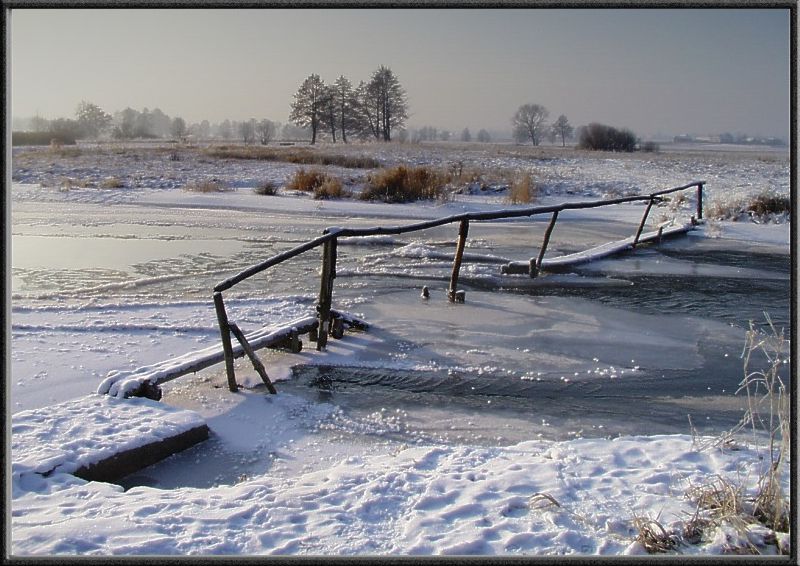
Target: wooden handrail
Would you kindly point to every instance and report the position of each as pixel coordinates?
(330, 236)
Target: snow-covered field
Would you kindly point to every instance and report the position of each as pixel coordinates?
(542, 417)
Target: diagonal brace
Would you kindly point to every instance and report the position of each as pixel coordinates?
(257, 365)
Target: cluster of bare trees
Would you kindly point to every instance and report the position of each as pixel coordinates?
(530, 124)
(371, 110)
(93, 122)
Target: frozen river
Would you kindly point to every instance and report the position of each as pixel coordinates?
(626, 345)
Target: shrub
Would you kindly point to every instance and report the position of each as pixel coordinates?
(331, 187)
(307, 181)
(522, 190)
(405, 184)
(321, 184)
(267, 188)
(761, 206)
(601, 137)
(205, 186)
(770, 203)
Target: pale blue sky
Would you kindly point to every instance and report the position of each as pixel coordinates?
(651, 70)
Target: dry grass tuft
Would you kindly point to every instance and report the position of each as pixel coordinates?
(206, 186)
(768, 203)
(306, 181)
(726, 503)
(720, 496)
(331, 187)
(654, 537)
(523, 190)
(542, 500)
(762, 207)
(406, 184)
(323, 185)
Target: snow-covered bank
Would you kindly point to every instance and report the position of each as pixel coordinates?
(575, 497)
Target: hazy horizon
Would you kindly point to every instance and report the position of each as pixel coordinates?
(669, 71)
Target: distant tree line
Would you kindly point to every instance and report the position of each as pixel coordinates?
(92, 122)
(370, 110)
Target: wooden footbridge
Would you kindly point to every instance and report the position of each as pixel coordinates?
(327, 321)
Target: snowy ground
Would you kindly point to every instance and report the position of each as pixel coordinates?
(539, 418)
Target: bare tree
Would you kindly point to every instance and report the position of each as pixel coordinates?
(393, 101)
(178, 128)
(308, 104)
(529, 122)
(465, 135)
(563, 129)
(344, 99)
(92, 119)
(382, 106)
(329, 113)
(247, 131)
(266, 130)
(484, 137)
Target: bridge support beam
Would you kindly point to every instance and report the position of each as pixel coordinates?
(463, 230)
(535, 267)
(225, 334)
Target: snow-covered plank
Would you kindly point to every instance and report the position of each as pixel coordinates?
(123, 384)
(597, 252)
(98, 437)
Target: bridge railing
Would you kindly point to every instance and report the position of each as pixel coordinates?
(328, 241)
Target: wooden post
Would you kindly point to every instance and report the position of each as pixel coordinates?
(295, 345)
(337, 328)
(326, 291)
(463, 230)
(641, 224)
(257, 365)
(699, 201)
(227, 348)
(535, 268)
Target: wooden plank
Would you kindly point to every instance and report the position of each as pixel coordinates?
(91, 436)
(121, 464)
(599, 252)
(192, 362)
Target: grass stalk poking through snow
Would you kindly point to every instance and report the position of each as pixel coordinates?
(725, 503)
